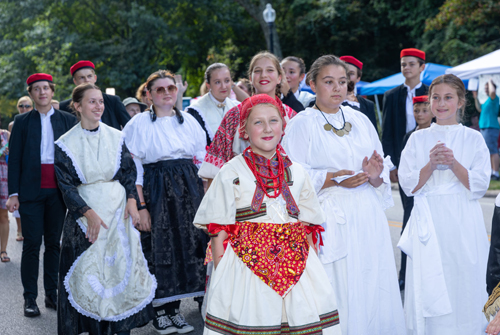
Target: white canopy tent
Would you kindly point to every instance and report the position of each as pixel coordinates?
(487, 64)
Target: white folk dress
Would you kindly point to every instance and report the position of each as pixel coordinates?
(110, 280)
(445, 238)
(239, 302)
(357, 254)
(210, 113)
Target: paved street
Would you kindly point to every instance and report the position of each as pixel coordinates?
(12, 320)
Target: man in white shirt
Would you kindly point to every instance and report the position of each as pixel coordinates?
(33, 189)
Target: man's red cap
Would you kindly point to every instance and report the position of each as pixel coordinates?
(38, 77)
(353, 61)
(412, 52)
(81, 65)
(420, 99)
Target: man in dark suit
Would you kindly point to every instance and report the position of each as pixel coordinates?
(398, 116)
(33, 189)
(365, 106)
(115, 115)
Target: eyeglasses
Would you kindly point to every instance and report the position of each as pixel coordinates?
(162, 90)
(24, 106)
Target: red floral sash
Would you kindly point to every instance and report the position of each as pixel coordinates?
(276, 253)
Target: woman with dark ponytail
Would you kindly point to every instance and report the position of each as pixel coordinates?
(166, 145)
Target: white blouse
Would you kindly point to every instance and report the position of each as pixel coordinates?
(320, 151)
(165, 139)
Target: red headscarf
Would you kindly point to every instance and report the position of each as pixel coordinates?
(249, 103)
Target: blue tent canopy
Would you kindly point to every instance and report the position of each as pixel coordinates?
(382, 85)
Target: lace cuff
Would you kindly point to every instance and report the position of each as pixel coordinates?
(83, 210)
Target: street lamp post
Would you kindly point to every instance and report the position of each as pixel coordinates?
(269, 16)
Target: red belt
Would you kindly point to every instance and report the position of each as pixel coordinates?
(48, 176)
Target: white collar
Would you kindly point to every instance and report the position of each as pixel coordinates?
(49, 113)
(414, 89)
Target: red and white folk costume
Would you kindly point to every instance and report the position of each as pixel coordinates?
(269, 281)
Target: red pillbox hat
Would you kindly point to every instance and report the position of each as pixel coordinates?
(420, 99)
(38, 77)
(413, 52)
(353, 61)
(80, 65)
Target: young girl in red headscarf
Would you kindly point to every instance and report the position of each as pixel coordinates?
(263, 215)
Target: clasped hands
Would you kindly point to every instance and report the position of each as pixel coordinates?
(372, 168)
(441, 155)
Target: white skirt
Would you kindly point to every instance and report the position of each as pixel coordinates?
(359, 260)
(241, 303)
(464, 248)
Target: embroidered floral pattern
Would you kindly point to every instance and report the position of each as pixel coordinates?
(276, 253)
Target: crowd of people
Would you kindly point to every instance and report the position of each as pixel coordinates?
(261, 201)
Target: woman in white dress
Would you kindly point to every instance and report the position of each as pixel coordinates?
(446, 168)
(166, 144)
(331, 141)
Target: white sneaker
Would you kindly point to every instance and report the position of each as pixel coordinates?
(163, 325)
(180, 323)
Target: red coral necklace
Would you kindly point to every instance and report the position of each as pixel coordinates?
(277, 179)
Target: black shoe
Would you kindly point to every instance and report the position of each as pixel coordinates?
(180, 323)
(31, 308)
(493, 177)
(163, 325)
(51, 301)
(401, 285)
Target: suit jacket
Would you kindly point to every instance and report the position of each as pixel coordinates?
(115, 115)
(367, 107)
(394, 120)
(25, 167)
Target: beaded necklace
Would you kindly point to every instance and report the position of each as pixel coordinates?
(277, 179)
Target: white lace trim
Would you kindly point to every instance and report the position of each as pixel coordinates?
(131, 311)
(178, 297)
(119, 155)
(82, 226)
(68, 152)
(207, 127)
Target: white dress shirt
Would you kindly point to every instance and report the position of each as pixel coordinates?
(410, 118)
(47, 143)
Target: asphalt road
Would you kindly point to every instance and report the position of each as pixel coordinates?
(13, 322)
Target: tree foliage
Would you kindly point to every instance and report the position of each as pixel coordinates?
(130, 39)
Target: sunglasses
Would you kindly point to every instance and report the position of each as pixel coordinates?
(162, 90)
(144, 93)
(24, 106)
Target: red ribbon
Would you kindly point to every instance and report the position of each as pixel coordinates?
(315, 229)
(231, 230)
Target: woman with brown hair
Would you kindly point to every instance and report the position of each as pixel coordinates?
(166, 144)
(266, 75)
(209, 109)
(342, 153)
(104, 283)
